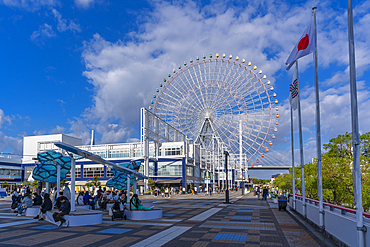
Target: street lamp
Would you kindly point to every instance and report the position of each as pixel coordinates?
(226, 153)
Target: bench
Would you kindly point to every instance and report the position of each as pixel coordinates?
(144, 214)
(82, 206)
(145, 204)
(81, 217)
(32, 211)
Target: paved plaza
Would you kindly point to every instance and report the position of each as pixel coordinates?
(188, 220)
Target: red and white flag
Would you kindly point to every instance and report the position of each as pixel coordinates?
(305, 46)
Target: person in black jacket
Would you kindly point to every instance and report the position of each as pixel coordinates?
(46, 206)
(65, 208)
(37, 200)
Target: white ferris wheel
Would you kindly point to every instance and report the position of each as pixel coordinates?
(220, 97)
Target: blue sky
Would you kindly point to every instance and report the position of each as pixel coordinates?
(72, 66)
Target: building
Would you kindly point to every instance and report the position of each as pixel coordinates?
(10, 171)
(174, 165)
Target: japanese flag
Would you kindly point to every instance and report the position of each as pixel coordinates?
(305, 46)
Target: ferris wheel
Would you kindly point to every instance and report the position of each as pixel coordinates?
(220, 97)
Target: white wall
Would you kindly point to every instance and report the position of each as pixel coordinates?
(31, 144)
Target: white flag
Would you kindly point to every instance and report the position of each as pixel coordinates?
(293, 94)
(305, 46)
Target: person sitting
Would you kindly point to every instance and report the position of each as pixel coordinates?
(114, 197)
(89, 200)
(26, 202)
(37, 200)
(57, 201)
(120, 206)
(15, 199)
(46, 206)
(135, 204)
(80, 198)
(106, 200)
(65, 208)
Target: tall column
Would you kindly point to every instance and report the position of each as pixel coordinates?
(134, 187)
(146, 148)
(301, 150)
(355, 130)
(241, 152)
(292, 137)
(47, 187)
(128, 189)
(213, 163)
(58, 179)
(73, 187)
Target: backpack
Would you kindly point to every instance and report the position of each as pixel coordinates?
(116, 206)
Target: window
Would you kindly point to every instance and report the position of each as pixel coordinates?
(109, 174)
(77, 173)
(170, 151)
(90, 172)
(190, 171)
(169, 170)
(119, 153)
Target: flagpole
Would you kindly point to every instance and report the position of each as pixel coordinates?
(318, 133)
(291, 133)
(355, 130)
(301, 148)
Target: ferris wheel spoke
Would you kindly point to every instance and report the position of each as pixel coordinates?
(222, 92)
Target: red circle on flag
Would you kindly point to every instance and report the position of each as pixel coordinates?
(303, 43)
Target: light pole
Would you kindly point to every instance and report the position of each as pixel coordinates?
(226, 153)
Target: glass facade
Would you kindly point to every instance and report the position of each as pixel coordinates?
(169, 170)
(9, 173)
(190, 171)
(170, 151)
(90, 172)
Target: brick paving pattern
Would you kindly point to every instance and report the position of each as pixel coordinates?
(187, 221)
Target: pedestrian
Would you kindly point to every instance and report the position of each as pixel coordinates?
(67, 192)
(166, 192)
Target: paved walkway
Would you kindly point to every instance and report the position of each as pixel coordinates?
(187, 221)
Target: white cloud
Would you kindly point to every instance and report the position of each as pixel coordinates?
(84, 3)
(45, 31)
(30, 5)
(7, 142)
(62, 23)
(125, 73)
(4, 118)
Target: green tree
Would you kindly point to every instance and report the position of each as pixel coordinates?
(284, 182)
(95, 182)
(88, 184)
(337, 169)
(151, 184)
(63, 182)
(26, 182)
(34, 184)
(5, 184)
(260, 181)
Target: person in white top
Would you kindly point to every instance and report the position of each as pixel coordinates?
(166, 192)
(114, 196)
(195, 189)
(80, 198)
